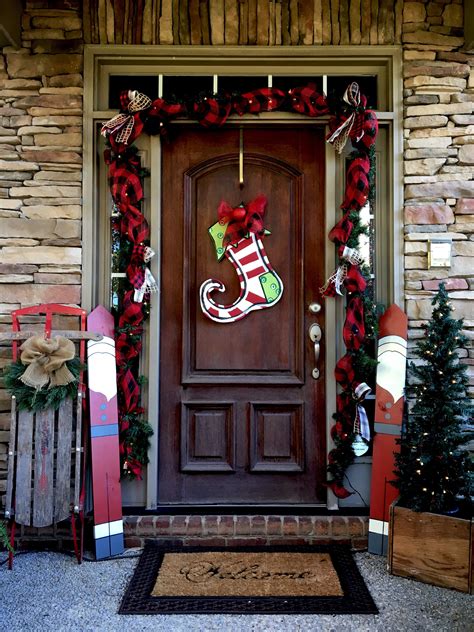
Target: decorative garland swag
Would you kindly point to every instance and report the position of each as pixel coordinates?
(350, 119)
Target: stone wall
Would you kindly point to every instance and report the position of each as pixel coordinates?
(41, 137)
(40, 171)
(438, 160)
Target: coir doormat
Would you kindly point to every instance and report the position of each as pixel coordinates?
(316, 579)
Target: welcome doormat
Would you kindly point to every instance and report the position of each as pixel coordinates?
(253, 580)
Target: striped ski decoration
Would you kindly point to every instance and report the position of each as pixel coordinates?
(108, 526)
(389, 403)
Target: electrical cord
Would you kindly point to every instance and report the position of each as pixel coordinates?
(356, 491)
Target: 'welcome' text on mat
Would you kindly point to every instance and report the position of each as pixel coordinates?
(258, 579)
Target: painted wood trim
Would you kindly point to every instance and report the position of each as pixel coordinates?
(324, 60)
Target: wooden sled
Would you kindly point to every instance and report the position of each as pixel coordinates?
(46, 454)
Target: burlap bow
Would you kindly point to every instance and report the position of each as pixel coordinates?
(352, 126)
(46, 360)
(123, 123)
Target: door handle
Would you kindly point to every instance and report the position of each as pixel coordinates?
(315, 335)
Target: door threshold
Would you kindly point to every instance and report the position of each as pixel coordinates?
(247, 510)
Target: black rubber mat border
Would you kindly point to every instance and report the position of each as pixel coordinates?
(138, 600)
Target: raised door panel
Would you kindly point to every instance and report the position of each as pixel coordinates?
(207, 437)
(239, 352)
(277, 437)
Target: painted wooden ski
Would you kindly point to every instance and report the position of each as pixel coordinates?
(389, 403)
(102, 378)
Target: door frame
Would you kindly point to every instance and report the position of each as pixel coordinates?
(102, 61)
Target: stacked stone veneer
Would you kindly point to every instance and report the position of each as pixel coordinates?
(41, 140)
(40, 172)
(438, 160)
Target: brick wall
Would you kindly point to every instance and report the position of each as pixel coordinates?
(41, 133)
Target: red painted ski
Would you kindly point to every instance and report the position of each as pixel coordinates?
(102, 378)
(389, 402)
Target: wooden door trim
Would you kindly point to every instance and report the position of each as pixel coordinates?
(100, 61)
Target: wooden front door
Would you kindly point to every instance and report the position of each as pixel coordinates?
(242, 420)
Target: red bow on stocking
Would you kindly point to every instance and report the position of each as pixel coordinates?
(243, 219)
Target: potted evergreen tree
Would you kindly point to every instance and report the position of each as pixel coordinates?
(431, 526)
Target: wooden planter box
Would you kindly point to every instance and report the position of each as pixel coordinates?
(431, 548)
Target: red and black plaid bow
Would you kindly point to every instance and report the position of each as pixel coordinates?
(357, 184)
(348, 125)
(210, 112)
(126, 126)
(354, 328)
(242, 220)
(307, 100)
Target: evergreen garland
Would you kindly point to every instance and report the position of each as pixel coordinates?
(432, 468)
(29, 398)
(4, 539)
(364, 359)
(122, 157)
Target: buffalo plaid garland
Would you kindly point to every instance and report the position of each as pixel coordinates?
(264, 100)
(136, 267)
(341, 232)
(139, 114)
(357, 184)
(210, 112)
(307, 100)
(354, 327)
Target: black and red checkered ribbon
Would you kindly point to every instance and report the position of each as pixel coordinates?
(139, 113)
(307, 100)
(357, 184)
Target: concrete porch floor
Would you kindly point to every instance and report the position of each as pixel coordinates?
(49, 591)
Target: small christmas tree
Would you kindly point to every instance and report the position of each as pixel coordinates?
(432, 468)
